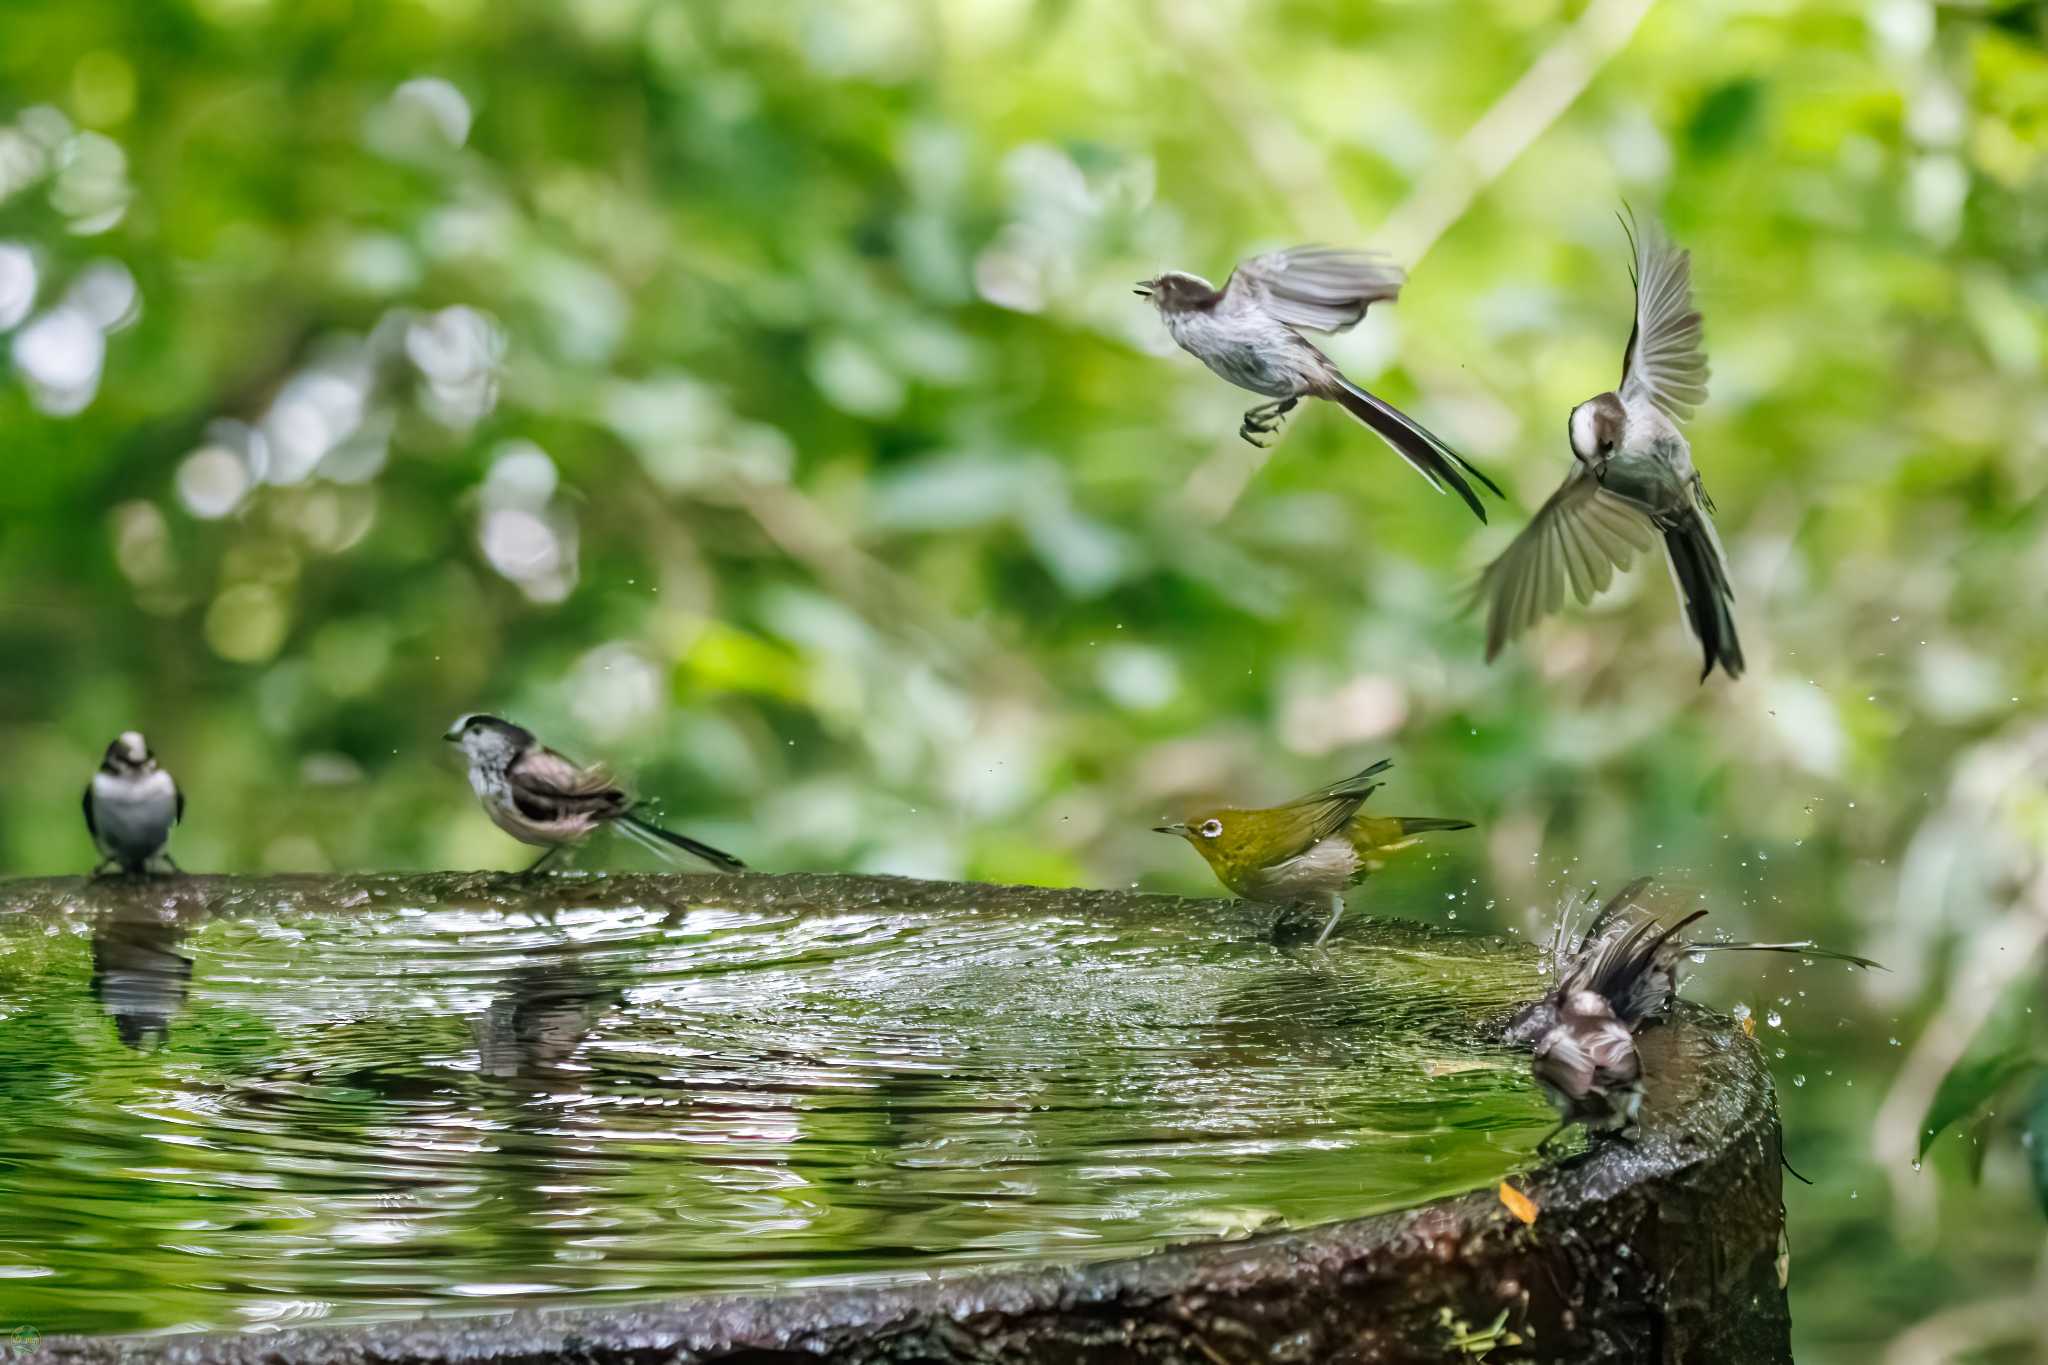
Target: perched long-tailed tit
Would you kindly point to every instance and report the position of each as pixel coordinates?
(130, 806)
(1607, 983)
(1250, 332)
(541, 798)
(1631, 482)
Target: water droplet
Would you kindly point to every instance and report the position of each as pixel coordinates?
(1800, 1079)
(1774, 1019)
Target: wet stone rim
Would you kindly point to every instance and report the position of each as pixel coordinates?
(1666, 1249)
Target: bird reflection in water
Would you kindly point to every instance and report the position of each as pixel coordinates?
(138, 975)
(532, 1030)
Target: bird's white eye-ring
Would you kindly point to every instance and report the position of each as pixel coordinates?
(1211, 828)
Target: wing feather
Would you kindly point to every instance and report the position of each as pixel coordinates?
(1299, 825)
(1666, 362)
(1578, 539)
(545, 771)
(1319, 288)
(1329, 809)
(1359, 784)
(547, 786)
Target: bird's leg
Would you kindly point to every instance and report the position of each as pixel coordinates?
(1265, 419)
(535, 865)
(1336, 913)
(102, 868)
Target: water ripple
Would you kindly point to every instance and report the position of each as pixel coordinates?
(283, 1114)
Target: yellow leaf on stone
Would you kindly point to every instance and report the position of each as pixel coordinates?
(1519, 1204)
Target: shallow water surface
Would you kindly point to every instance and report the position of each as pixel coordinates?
(261, 1104)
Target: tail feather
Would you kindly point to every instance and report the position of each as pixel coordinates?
(1704, 590)
(1802, 947)
(661, 840)
(1429, 455)
(1423, 824)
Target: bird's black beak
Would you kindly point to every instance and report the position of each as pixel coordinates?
(453, 736)
(1144, 289)
(1181, 830)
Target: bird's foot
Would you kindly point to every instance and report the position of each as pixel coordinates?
(532, 868)
(1265, 420)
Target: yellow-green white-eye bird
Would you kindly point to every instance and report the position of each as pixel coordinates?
(1309, 849)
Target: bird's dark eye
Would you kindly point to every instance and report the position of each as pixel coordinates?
(1211, 828)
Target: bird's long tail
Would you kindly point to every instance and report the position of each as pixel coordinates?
(1703, 589)
(1413, 442)
(663, 841)
(1803, 947)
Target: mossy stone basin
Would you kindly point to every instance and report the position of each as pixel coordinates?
(702, 1118)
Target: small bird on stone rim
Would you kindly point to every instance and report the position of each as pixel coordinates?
(1250, 333)
(1632, 480)
(541, 798)
(130, 805)
(1309, 849)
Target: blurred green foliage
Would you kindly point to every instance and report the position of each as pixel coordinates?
(753, 395)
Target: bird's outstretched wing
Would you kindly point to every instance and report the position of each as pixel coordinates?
(92, 826)
(179, 817)
(1665, 362)
(1320, 288)
(1577, 539)
(547, 786)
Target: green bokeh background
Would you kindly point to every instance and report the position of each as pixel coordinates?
(753, 395)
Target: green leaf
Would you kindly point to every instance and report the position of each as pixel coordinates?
(1967, 1087)
(1726, 116)
(1980, 1135)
